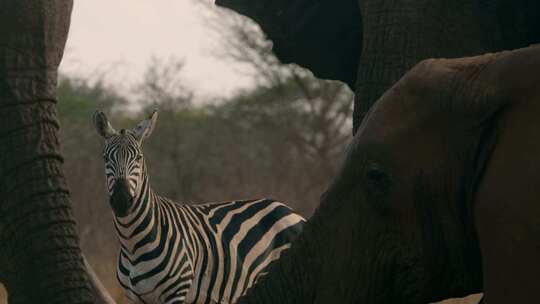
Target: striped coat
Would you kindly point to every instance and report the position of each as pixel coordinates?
(208, 253)
(177, 253)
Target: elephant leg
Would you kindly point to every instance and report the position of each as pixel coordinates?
(40, 258)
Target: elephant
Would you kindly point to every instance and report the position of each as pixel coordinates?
(437, 196)
(375, 43)
(40, 258)
(370, 44)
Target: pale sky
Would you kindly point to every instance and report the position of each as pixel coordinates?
(117, 38)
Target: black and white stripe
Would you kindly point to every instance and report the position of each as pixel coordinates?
(173, 253)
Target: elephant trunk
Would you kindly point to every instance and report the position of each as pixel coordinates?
(399, 34)
(330, 261)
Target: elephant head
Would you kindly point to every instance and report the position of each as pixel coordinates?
(370, 44)
(435, 169)
(319, 35)
(417, 168)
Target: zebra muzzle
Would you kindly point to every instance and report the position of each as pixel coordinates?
(121, 199)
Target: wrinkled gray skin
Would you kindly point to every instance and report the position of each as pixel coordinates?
(370, 44)
(443, 159)
(40, 258)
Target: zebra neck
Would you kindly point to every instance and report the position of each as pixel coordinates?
(141, 220)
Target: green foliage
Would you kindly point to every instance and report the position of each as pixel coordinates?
(79, 98)
(282, 138)
(281, 141)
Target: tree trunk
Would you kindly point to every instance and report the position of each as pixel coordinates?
(40, 257)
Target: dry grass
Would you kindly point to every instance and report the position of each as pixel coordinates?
(472, 299)
(3, 294)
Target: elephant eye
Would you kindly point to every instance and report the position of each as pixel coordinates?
(375, 174)
(378, 183)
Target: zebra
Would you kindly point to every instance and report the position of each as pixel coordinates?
(180, 253)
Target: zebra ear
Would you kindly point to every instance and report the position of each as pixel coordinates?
(145, 127)
(102, 125)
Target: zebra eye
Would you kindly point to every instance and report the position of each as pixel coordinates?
(105, 158)
(139, 157)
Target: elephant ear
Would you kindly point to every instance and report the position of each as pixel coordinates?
(144, 128)
(322, 36)
(470, 96)
(102, 125)
(471, 89)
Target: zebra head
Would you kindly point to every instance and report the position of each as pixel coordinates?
(124, 163)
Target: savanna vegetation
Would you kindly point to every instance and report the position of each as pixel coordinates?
(255, 144)
(282, 139)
